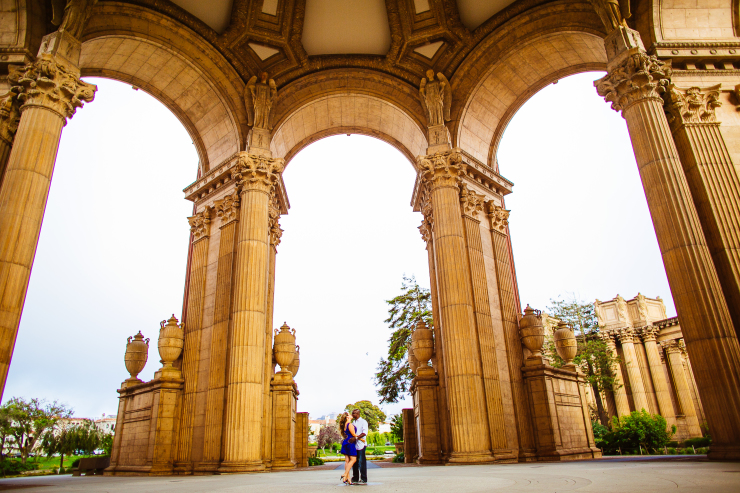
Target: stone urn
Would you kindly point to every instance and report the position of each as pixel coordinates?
(284, 346)
(565, 343)
(171, 341)
(413, 362)
(296, 364)
(532, 331)
(422, 343)
(137, 352)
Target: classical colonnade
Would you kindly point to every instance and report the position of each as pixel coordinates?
(220, 409)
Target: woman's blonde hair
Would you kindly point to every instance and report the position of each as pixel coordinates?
(342, 423)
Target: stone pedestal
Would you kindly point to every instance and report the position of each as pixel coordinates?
(426, 415)
(283, 421)
(562, 424)
(410, 443)
(301, 439)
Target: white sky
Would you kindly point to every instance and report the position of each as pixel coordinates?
(112, 255)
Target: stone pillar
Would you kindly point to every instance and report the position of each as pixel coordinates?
(438, 360)
(410, 445)
(256, 177)
(499, 218)
(50, 91)
(701, 416)
(660, 384)
(10, 116)
(619, 392)
(275, 233)
(426, 416)
(283, 421)
(626, 337)
(441, 172)
(472, 205)
(301, 439)
(227, 210)
(200, 227)
(713, 181)
(633, 84)
(673, 352)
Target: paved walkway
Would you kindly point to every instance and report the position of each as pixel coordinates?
(603, 476)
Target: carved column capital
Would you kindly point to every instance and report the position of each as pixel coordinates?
(470, 202)
(200, 224)
(627, 335)
(649, 333)
(442, 169)
(693, 105)
(427, 222)
(638, 77)
(671, 346)
(10, 116)
(50, 85)
(227, 208)
(276, 232)
(608, 338)
(499, 217)
(253, 172)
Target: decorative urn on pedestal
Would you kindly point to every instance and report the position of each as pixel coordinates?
(533, 333)
(565, 344)
(137, 353)
(171, 341)
(284, 347)
(296, 364)
(422, 343)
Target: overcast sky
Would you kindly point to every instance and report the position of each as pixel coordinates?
(112, 255)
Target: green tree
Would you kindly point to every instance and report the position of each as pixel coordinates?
(60, 441)
(638, 429)
(6, 430)
(394, 375)
(593, 356)
(88, 438)
(372, 413)
(397, 427)
(31, 419)
(327, 436)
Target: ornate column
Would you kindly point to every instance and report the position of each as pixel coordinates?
(472, 205)
(660, 384)
(499, 218)
(257, 177)
(633, 85)
(712, 179)
(275, 234)
(626, 337)
(49, 91)
(227, 210)
(464, 386)
(200, 227)
(673, 352)
(10, 116)
(619, 392)
(701, 416)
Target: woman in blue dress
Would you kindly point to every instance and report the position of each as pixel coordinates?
(348, 445)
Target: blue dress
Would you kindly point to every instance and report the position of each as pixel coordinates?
(348, 448)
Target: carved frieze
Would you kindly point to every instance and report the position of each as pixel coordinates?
(499, 217)
(51, 85)
(200, 224)
(692, 105)
(257, 172)
(227, 208)
(640, 76)
(470, 202)
(442, 168)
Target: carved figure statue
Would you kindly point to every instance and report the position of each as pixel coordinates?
(71, 16)
(436, 98)
(259, 97)
(612, 12)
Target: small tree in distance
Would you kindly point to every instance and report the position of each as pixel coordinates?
(372, 413)
(327, 436)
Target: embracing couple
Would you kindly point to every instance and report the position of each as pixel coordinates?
(354, 431)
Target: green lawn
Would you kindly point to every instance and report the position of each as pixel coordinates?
(378, 450)
(52, 462)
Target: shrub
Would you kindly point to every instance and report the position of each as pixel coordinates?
(672, 443)
(639, 429)
(15, 467)
(698, 442)
(702, 450)
(398, 457)
(315, 461)
(76, 463)
(671, 451)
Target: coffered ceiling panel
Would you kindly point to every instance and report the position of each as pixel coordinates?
(215, 13)
(473, 13)
(346, 27)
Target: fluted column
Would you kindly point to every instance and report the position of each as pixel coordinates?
(50, 92)
(499, 218)
(472, 205)
(227, 210)
(660, 384)
(257, 177)
(626, 337)
(633, 85)
(441, 173)
(200, 228)
(619, 392)
(713, 181)
(10, 115)
(673, 352)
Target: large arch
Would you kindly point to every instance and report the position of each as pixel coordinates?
(175, 65)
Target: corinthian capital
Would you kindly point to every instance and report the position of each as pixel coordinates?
(227, 208)
(608, 339)
(692, 105)
(671, 346)
(10, 116)
(470, 201)
(499, 217)
(627, 335)
(253, 172)
(276, 232)
(640, 76)
(200, 224)
(649, 333)
(51, 85)
(442, 168)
